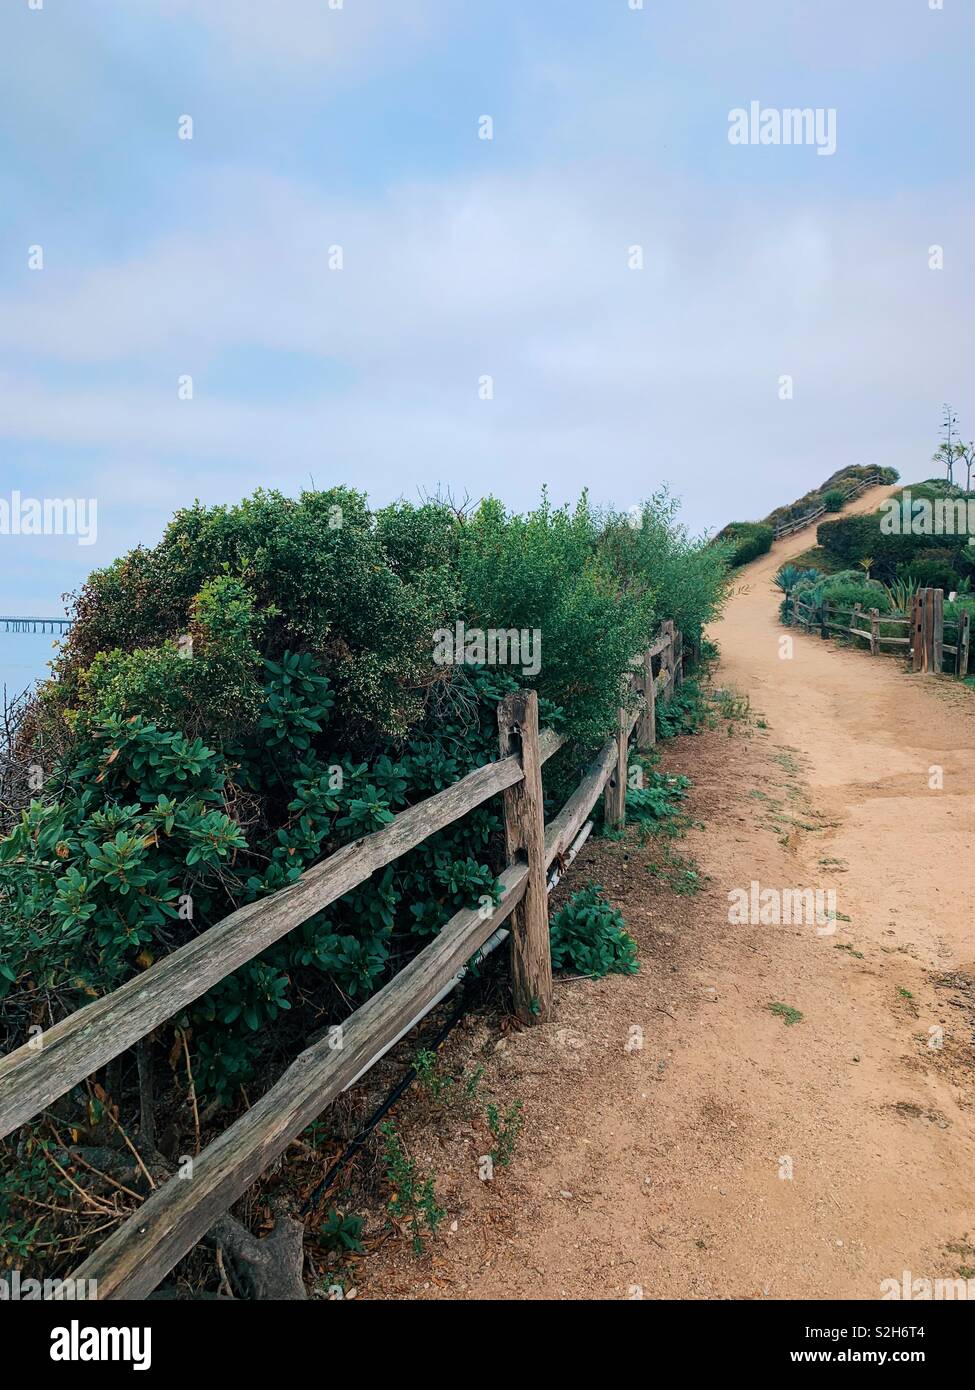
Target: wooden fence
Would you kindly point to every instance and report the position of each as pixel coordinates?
(851, 490)
(146, 1246)
(923, 635)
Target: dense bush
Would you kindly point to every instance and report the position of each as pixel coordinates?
(936, 569)
(833, 499)
(851, 539)
(651, 555)
(548, 572)
(846, 588)
(260, 688)
(589, 936)
(749, 539)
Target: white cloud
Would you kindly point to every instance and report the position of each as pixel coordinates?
(302, 38)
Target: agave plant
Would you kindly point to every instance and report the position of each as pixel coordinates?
(790, 575)
(901, 592)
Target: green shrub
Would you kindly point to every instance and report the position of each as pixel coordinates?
(964, 603)
(749, 540)
(544, 572)
(851, 539)
(308, 574)
(833, 499)
(650, 553)
(657, 800)
(935, 569)
(589, 936)
(684, 713)
(238, 702)
(846, 593)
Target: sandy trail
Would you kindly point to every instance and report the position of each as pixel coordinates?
(731, 1155)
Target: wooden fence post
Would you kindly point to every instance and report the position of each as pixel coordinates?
(927, 629)
(874, 632)
(646, 729)
(524, 825)
(824, 619)
(614, 798)
(917, 631)
(964, 640)
(937, 597)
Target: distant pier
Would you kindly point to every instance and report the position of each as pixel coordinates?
(58, 626)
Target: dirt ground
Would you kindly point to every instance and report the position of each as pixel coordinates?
(680, 1139)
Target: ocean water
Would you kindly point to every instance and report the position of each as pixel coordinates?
(23, 659)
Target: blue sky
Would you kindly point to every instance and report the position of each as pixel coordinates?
(358, 127)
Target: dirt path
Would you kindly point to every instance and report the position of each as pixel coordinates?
(662, 1171)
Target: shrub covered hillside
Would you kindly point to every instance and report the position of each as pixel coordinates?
(262, 687)
(753, 538)
(919, 547)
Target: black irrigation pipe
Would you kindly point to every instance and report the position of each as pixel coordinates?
(355, 1144)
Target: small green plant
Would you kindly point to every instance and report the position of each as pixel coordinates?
(680, 873)
(441, 1087)
(412, 1199)
(733, 706)
(658, 799)
(342, 1231)
(684, 713)
(589, 936)
(29, 1192)
(904, 993)
(845, 946)
(787, 1013)
(430, 1076)
(505, 1130)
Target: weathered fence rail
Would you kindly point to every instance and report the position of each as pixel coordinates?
(146, 1246)
(851, 490)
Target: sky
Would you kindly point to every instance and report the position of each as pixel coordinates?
(337, 260)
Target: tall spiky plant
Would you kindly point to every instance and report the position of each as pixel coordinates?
(946, 451)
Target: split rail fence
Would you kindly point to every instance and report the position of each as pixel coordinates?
(923, 634)
(851, 490)
(146, 1246)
